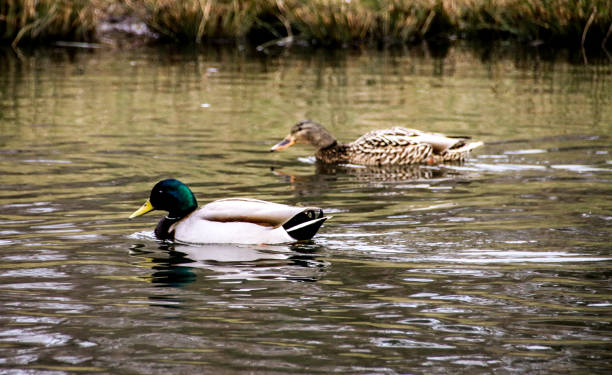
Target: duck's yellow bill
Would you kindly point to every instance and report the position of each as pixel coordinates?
(285, 143)
(146, 207)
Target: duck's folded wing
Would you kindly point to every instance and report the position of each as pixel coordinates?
(390, 146)
(254, 211)
(387, 138)
(402, 137)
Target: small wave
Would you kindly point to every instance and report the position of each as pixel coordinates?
(493, 256)
(143, 235)
(580, 168)
(47, 161)
(508, 167)
(526, 152)
(307, 160)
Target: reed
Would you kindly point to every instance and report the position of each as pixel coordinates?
(199, 20)
(327, 22)
(330, 21)
(565, 21)
(342, 22)
(35, 20)
(401, 21)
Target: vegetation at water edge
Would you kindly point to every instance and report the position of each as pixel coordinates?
(317, 22)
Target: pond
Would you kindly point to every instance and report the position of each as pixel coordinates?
(500, 264)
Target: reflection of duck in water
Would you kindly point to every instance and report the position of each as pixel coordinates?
(176, 265)
(383, 172)
(328, 174)
(233, 220)
(395, 146)
(281, 262)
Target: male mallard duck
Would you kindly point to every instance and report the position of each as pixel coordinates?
(399, 146)
(232, 220)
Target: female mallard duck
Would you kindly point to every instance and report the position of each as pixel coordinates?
(232, 220)
(399, 146)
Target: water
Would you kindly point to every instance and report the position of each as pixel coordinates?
(501, 264)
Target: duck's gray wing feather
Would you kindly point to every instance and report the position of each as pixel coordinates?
(250, 211)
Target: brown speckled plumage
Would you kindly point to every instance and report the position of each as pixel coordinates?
(395, 146)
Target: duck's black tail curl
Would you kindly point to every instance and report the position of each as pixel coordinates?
(305, 225)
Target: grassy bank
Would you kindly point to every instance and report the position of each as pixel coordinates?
(571, 23)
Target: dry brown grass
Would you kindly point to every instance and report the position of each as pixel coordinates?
(196, 21)
(34, 20)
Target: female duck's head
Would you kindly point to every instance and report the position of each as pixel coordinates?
(306, 132)
(169, 195)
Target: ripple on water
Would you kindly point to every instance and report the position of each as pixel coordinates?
(143, 235)
(580, 168)
(500, 168)
(34, 336)
(409, 343)
(478, 256)
(40, 255)
(38, 286)
(34, 272)
(525, 152)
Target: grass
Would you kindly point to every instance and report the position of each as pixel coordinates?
(564, 21)
(375, 21)
(197, 21)
(320, 22)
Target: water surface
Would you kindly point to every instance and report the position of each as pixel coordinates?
(500, 264)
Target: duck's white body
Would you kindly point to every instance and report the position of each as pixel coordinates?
(194, 229)
(244, 221)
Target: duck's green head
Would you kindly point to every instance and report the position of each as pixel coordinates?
(169, 195)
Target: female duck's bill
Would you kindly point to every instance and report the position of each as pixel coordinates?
(232, 220)
(287, 142)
